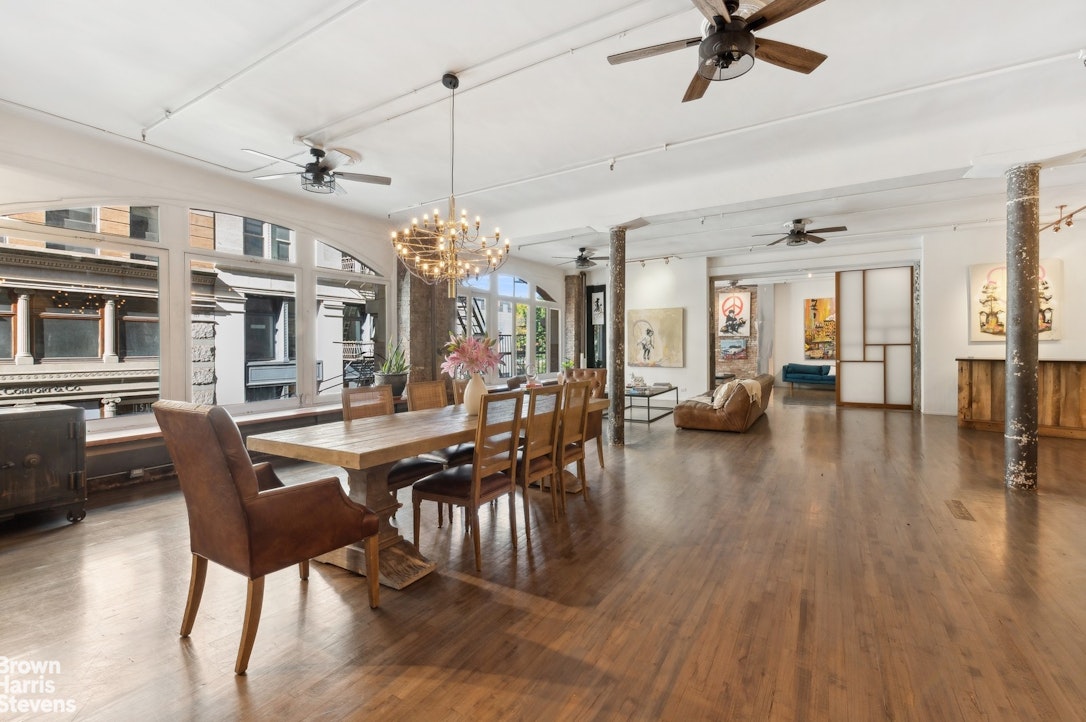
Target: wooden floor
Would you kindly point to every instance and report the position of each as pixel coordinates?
(830, 564)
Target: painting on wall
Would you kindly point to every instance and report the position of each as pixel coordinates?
(598, 301)
(733, 313)
(988, 301)
(819, 328)
(654, 337)
(732, 349)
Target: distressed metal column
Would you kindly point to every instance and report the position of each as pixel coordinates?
(616, 341)
(1020, 429)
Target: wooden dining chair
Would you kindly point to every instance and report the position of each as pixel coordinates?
(537, 458)
(426, 395)
(572, 433)
(458, 386)
(491, 473)
(242, 516)
(363, 402)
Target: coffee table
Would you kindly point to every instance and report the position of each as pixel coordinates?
(650, 411)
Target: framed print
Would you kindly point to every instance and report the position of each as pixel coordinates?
(819, 328)
(732, 349)
(733, 313)
(988, 301)
(654, 337)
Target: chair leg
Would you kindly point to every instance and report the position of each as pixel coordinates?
(196, 591)
(599, 449)
(554, 494)
(440, 514)
(584, 477)
(527, 525)
(513, 516)
(416, 519)
(254, 600)
(373, 568)
(303, 570)
(474, 514)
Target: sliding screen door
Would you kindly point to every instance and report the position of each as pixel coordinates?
(875, 337)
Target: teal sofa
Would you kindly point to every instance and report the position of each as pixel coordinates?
(808, 374)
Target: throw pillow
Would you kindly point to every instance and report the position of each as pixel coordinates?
(720, 396)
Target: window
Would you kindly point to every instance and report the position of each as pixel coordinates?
(138, 335)
(66, 331)
(350, 327)
(281, 243)
(78, 219)
(253, 238)
(330, 257)
(7, 323)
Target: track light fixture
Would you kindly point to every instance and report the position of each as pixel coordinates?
(1065, 220)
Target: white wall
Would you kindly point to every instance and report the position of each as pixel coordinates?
(788, 324)
(944, 274)
(681, 283)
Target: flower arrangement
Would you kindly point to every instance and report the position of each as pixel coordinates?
(470, 354)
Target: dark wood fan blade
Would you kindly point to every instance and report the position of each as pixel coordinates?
(789, 57)
(652, 50)
(778, 10)
(812, 239)
(711, 8)
(698, 85)
(273, 175)
(782, 238)
(834, 229)
(266, 155)
(365, 178)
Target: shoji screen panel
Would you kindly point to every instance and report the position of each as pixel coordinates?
(875, 337)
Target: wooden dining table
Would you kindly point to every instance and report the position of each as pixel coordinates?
(366, 449)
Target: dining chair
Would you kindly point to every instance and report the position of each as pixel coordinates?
(242, 516)
(537, 458)
(426, 395)
(361, 402)
(458, 390)
(491, 473)
(572, 433)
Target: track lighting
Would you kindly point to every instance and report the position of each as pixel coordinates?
(1065, 219)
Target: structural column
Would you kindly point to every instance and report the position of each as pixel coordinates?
(23, 356)
(616, 341)
(1020, 429)
(109, 335)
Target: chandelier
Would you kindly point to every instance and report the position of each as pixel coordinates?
(452, 248)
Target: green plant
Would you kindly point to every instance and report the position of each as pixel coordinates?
(395, 360)
(567, 364)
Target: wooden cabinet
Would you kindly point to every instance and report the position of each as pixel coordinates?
(1061, 396)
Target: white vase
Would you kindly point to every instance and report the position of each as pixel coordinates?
(473, 393)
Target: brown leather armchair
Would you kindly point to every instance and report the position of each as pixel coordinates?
(597, 385)
(242, 516)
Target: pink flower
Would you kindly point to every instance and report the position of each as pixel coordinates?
(470, 354)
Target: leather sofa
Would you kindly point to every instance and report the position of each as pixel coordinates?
(737, 411)
(597, 384)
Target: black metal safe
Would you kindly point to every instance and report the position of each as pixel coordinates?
(42, 460)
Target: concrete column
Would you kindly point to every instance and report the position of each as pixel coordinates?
(574, 328)
(1020, 429)
(616, 341)
(424, 315)
(109, 335)
(23, 356)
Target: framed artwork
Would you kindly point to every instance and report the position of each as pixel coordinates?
(654, 337)
(596, 326)
(732, 349)
(733, 313)
(988, 301)
(819, 328)
(598, 307)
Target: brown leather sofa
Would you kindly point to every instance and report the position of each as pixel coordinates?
(738, 413)
(597, 385)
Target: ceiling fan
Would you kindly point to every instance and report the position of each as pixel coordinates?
(583, 259)
(320, 174)
(727, 47)
(798, 235)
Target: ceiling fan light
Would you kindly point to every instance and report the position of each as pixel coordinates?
(726, 54)
(316, 182)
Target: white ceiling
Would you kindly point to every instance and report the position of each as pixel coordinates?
(904, 130)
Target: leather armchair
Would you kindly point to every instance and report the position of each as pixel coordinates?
(242, 516)
(597, 385)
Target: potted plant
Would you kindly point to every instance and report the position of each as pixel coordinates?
(393, 372)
